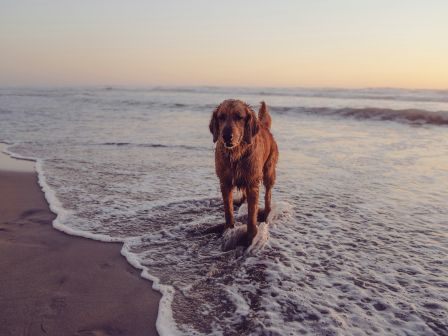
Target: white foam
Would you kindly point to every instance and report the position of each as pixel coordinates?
(233, 237)
(260, 239)
(165, 322)
(280, 211)
(242, 308)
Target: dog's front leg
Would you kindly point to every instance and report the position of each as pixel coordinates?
(227, 198)
(252, 202)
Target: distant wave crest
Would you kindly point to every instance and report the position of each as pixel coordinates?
(412, 116)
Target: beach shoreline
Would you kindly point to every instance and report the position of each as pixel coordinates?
(56, 284)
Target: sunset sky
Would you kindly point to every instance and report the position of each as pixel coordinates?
(326, 43)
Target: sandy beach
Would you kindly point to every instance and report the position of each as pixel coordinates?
(55, 284)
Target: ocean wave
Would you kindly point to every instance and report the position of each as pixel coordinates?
(151, 145)
(411, 116)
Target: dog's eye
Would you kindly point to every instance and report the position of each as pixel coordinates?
(222, 117)
(238, 117)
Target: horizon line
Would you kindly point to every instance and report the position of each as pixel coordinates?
(147, 86)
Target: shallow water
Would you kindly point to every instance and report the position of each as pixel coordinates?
(357, 243)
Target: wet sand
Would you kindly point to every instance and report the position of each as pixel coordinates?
(55, 284)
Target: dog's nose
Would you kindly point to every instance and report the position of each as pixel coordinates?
(227, 134)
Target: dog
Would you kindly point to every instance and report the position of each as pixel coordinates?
(245, 154)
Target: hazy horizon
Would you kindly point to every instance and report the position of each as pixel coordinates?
(118, 86)
(323, 44)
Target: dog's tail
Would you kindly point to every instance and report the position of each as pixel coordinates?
(263, 115)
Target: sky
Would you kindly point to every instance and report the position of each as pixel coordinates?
(319, 43)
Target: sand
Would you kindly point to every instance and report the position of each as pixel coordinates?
(55, 284)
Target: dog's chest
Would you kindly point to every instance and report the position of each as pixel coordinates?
(244, 173)
(239, 172)
(238, 168)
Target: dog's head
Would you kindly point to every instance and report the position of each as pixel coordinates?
(233, 122)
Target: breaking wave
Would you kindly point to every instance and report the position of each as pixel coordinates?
(412, 116)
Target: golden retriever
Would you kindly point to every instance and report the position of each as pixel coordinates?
(246, 153)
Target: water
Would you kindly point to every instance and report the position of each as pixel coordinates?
(357, 243)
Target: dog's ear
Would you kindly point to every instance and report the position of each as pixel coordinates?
(214, 127)
(251, 127)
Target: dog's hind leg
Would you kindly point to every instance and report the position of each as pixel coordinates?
(268, 181)
(263, 214)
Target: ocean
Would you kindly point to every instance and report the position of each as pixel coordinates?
(357, 243)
